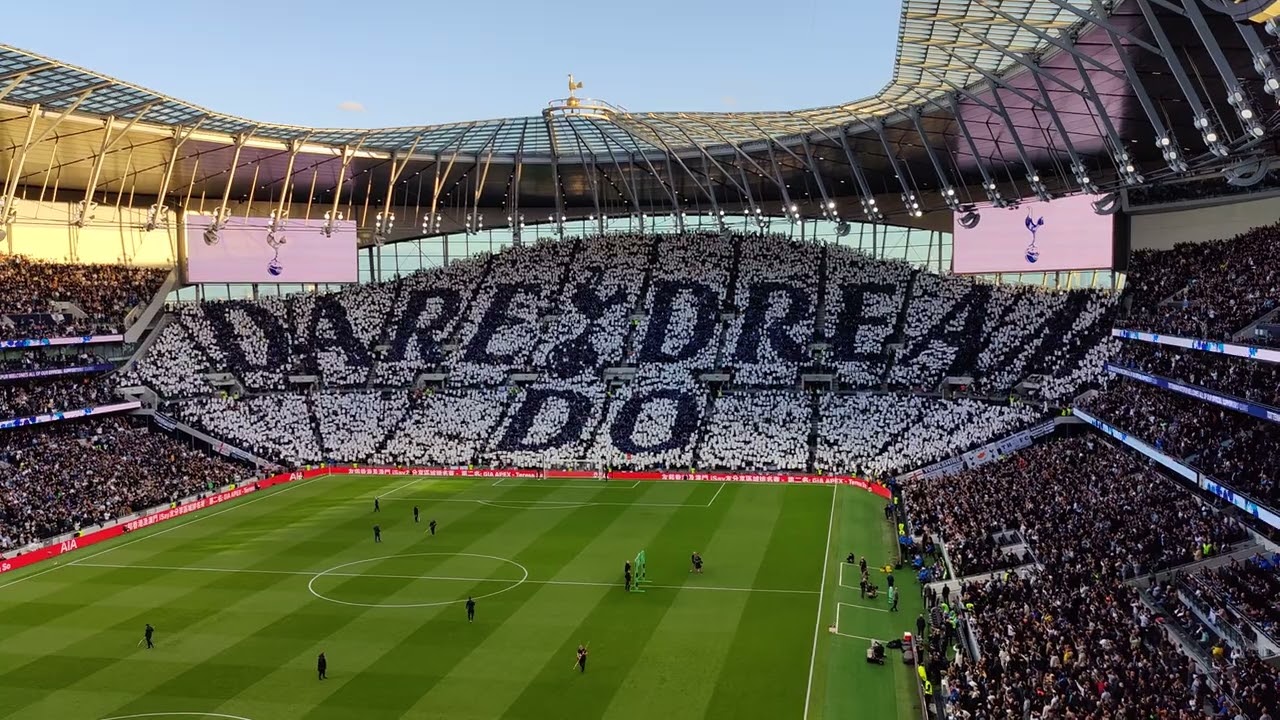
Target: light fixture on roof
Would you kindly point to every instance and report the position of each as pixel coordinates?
(84, 212)
(871, 211)
(1244, 110)
(1169, 151)
(1083, 180)
(213, 233)
(8, 215)
(1038, 188)
(275, 229)
(431, 222)
(950, 198)
(382, 226)
(1128, 171)
(993, 194)
(155, 215)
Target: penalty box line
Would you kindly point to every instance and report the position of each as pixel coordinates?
(447, 578)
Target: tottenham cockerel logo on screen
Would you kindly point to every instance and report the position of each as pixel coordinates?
(1033, 226)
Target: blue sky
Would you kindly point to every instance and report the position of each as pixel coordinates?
(402, 62)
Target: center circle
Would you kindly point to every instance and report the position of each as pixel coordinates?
(336, 571)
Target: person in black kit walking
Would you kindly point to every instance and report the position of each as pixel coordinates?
(415, 513)
(626, 576)
(432, 525)
(148, 632)
(376, 506)
(377, 534)
(582, 658)
(471, 609)
(322, 666)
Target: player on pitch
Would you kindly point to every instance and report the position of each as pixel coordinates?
(581, 662)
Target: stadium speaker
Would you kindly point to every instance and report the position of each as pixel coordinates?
(211, 235)
(842, 229)
(1108, 204)
(969, 220)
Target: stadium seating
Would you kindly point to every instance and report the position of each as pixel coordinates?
(105, 294)
(55, 479)
(670, 307)
(1242, 377)
(885, 434)
(1236, 449)
(757, 431)
(38, 396)
(1069, 635)
(1207, 289)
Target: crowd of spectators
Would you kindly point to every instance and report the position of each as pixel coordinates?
(1238, 450)
(34, 361)
(887, 434)
(1069, 638)
(59, 478)
(775, 297)
(1210, 289)
(105, 293)
(37, 396)
(1252, 586)
(1245, 378)
(757, 431)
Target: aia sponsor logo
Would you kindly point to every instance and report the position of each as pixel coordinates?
(67, 546)
(5, 567)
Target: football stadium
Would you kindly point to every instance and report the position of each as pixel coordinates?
(959, 401)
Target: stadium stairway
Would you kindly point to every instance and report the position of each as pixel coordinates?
(629, 342)
(815, 429)
(140, 318)
(708, 406)
(899, 335)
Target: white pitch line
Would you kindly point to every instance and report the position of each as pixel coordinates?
(864, 607)
(393, 491)
(309, 573)
(856, 637)
(713, 497)
(568, 504)
(198, 518)
(817, 624)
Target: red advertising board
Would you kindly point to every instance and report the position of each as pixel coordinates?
(802, 479)
(159, 516)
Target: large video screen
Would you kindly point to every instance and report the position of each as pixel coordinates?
(1063, 234)
(243, 252)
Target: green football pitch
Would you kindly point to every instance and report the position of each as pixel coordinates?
(244, 596)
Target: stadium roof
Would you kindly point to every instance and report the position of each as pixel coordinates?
(990, 101)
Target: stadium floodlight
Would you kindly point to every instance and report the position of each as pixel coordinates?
(911, 203)
(1128, 171)
(1272, 29)
(1266, 67)
(275, 228)
(331, 219)
(871, 210)
(1037, 187)
(1244, 110)
(829, 211)
(431, 222)
(1169, 151)
(1210, 136)
(84, 212)
(155, 214)
(474, 224)
(1083, 180)
(213, 233)
(993, 194)
(8, 215)
(382, 226)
